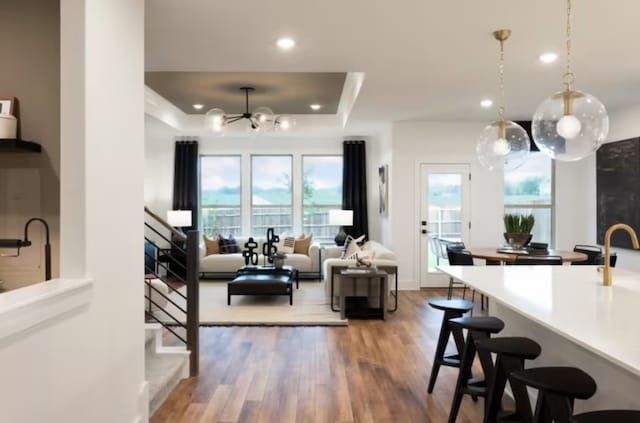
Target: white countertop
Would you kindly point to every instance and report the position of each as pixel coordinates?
(570, 301)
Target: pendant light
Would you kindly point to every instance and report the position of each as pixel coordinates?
(571, 124)
(503, 142)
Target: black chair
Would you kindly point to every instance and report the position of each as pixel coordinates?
(452, 309)
(457, 257)
(511, 352)
(607, 416)
(558, 388)
(478, 328)
(593, 253)
(525, 260)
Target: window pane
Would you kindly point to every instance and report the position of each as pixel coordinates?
(530, 183)
(322, 191)
(271, 194)
(542, 227)
(271, 183)
(220, 181)
(221, 220)
(220, 195)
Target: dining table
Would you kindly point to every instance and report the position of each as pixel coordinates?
(496, 255)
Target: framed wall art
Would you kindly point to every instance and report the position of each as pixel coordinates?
(383, 188)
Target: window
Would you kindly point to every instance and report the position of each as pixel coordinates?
(321, 192)
(528, 189)
(271, 194)
(220, 195)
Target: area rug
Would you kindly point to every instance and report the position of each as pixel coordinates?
(310, 307)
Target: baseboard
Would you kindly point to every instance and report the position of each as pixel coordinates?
(143, 403)
(408, 285)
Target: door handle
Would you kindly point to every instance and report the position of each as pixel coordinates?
(424, 231)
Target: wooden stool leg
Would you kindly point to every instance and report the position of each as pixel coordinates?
(443, 339)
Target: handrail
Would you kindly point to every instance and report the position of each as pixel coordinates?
(164, 223)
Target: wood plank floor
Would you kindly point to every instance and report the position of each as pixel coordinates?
(370, 371)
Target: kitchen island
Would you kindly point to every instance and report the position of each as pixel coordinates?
(577, 321)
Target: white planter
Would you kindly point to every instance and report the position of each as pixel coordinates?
(8, 126)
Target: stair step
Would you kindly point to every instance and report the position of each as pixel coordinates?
(163, 372)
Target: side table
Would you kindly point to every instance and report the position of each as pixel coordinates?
(351, 277)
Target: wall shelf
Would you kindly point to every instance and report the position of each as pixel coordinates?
(8, 145)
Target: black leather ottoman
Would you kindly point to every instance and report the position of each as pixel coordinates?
(261, 283)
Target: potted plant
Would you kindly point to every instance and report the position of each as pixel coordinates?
(518, 229)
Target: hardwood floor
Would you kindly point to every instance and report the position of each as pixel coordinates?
(370, 371)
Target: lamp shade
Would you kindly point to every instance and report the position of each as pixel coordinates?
(179, 218)
(341, 217)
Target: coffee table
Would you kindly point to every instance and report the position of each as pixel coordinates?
(264, 280)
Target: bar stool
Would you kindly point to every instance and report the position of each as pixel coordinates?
(557, 387)
(452, 308)
(511, 352)
(478, 328)
(607, 416)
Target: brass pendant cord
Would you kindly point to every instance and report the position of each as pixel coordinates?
(501, 72)
(568, 77)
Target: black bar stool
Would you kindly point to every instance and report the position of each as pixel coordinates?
(607, 416)
(557, 387)
(478, 328)
(511, 352)
(452, 308)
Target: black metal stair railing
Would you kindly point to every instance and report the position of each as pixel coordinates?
(175, 266)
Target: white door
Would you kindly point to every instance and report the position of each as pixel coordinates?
(444, 214)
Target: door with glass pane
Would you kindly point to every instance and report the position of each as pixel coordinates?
(444, 216)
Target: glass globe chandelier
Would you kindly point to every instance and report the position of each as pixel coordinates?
(503, 142)
(571, 124)
(260, 120)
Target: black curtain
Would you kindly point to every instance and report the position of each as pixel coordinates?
(185, 179)
(354, 186)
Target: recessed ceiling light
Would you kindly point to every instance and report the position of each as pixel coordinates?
(486, 103)
(316, 107)
(286, 43)
(198, 106)
(548, 57)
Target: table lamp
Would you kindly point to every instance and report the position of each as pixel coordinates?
(179, 218)
(341, 218)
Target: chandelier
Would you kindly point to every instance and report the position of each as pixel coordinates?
(503, 142)
(570, 124)
(262, 119)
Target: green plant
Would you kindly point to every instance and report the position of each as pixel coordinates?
(518, 223)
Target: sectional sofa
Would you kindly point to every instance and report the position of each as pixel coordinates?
(224, 266)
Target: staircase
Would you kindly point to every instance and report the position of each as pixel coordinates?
(165, 366)
(171, 307)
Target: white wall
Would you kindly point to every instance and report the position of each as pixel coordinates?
(159, 154)
(433, 142)
(87, 366)
(576, 192)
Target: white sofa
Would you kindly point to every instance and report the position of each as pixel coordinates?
(379, 255)
(226, 265)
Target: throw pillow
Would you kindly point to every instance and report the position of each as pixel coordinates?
(228, 245)
(287, 244)
(302, 244)
(352, 248)
(212, 245)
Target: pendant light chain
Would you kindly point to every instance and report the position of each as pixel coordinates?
(568, 77)
(501, 70)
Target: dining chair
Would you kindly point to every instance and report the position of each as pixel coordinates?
(524, 260)
(593, 252)
(459, 257)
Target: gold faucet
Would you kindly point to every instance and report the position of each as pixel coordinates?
(606, 276)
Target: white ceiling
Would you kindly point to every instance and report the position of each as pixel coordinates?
(423, 59)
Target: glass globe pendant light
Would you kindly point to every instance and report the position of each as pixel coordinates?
(503, 142)
(571, 124)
